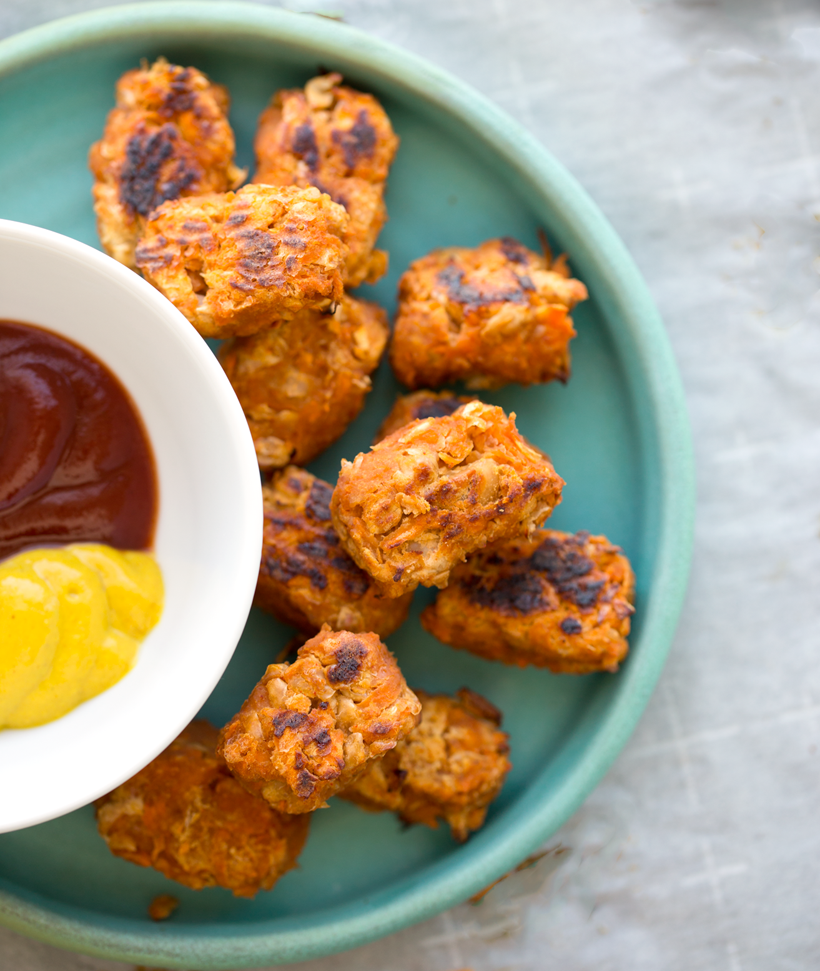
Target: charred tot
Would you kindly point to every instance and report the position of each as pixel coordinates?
(565, 567)
(571, 625)
(322, 738)
(514, 251)
(311, 558)
(257, 248)
(286, 566)
(305, 784)
(317, 505)
(284, 720)
(304, 145)
(560, 562)
(452, 277)
(358, 142)
(438, 408)
(355, 581)
(517, 593)
(145, 155)
(348, 664)
(312, 549)
(179, 97)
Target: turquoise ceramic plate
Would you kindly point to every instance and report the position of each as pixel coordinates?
(617, 433)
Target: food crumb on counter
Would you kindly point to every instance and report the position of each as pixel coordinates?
(161, 908)
(525, 864)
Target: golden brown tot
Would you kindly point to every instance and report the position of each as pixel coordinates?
(310, 728)
(237, 262)
(435, 491)
(305, 577)
(167, 137)
(450, 767)
(554, 600)
(418, 405)
(302, 383)
(341, 141)
(487, 316)
(185, 815)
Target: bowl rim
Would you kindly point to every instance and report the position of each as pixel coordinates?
(621, 290)
(170, 329)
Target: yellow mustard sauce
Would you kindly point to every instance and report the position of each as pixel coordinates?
(71, 622)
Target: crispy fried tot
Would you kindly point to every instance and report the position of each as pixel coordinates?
(305, 577)
(341, 141)
(310, 728)
(167, 137)
(451, 766)
(185, 815)
(237, 262)
(556, 600)
(487, 316)
(419, 405)
(302, 383)
(431, 493)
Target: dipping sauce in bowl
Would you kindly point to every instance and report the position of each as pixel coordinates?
(204, 527)
(75, 461)
(76, 467)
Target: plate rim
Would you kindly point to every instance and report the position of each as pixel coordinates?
(623, 293)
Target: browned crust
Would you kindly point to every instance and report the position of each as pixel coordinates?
(488, 316)
(556, 600)
(305, 577)
(309, 728)
(341, 141)
(431, 493)
(186, 816)
(450, 767)
(237, 262)
(302, 383)
(417, 406)
(167, 137)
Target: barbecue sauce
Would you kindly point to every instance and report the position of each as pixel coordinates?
(75, 461)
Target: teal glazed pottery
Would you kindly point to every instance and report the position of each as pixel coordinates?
(617, 432)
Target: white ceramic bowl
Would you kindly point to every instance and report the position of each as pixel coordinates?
(209, 528)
